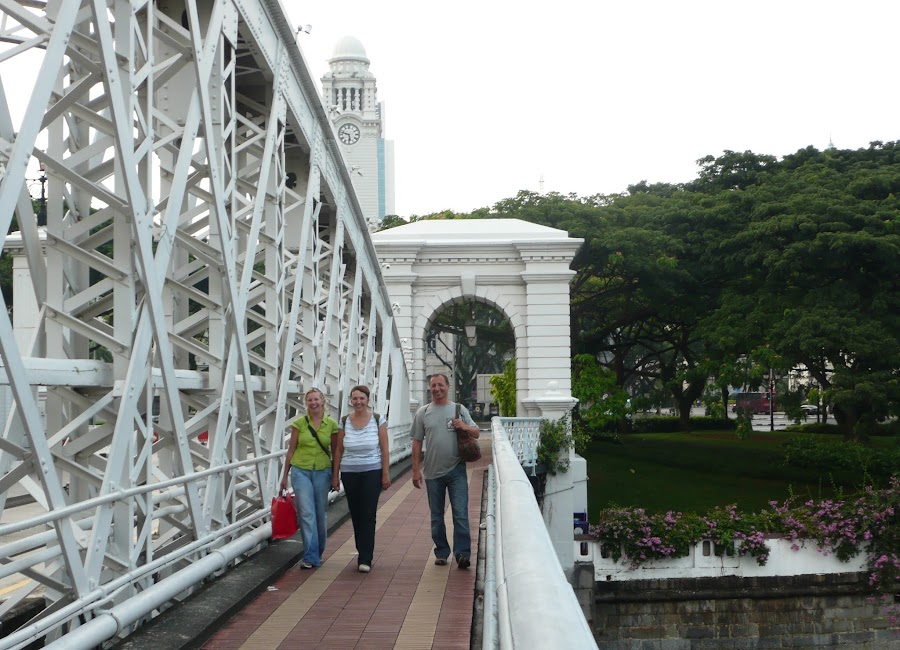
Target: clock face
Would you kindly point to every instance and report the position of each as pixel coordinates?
(348, 133)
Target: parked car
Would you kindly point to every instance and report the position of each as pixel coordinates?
(754, 403)
(810, 409)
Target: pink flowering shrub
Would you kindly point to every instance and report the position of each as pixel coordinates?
(642, 537)
(867, 522)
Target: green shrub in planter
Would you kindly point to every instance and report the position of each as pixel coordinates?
(554, 445)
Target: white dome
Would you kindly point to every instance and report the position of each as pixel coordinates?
(349, 47)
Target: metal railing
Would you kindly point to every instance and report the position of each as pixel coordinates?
(529, 603)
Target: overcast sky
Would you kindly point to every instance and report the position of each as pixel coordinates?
(484, 98)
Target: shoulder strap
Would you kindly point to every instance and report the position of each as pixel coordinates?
(457, 410)
(344, 421)
(315, 434)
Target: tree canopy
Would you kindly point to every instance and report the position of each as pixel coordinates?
(759, 262)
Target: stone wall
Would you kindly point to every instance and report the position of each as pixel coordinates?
(810, 611)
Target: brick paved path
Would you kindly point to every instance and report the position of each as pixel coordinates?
(405, 602)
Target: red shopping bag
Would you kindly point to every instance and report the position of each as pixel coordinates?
(284, 516)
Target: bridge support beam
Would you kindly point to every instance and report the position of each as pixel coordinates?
(203, 262)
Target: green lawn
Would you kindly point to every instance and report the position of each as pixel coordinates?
(698, 471)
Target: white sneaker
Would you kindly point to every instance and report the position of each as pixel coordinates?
(364, 568)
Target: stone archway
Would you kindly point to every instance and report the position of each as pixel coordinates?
(442, 300)
(520, 268)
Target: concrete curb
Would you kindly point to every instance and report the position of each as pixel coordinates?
(192, 622)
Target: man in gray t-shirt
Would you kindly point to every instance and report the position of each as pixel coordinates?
(445, 473)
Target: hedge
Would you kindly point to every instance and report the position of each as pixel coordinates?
(670, 424)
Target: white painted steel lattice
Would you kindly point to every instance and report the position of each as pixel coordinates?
(204, 261)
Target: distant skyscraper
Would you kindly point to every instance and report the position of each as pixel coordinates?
(349, 92)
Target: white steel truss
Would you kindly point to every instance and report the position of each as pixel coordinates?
(204, 261)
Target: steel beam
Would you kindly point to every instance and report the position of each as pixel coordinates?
(186, 297)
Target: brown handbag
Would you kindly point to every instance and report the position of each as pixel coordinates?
(469, 449)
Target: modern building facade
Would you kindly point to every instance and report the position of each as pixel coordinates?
(349, 92)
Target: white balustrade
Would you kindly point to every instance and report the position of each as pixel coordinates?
(705, 560)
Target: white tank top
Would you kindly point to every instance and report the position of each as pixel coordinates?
(362, 453)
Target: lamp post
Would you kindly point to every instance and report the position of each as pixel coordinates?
(771, 399)
(471, 331)
(42, 202)
(42, 212)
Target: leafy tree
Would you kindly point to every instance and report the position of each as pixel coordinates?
(6, 279)
(731, 171)
(713, 403)
(633, 302)
(495, 342)
(503, 389)
(600, 399)
(392, 221)
(816, 268)
(758, 263)
(727, 373)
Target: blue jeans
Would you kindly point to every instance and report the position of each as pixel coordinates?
(311, 488)
(456, 485)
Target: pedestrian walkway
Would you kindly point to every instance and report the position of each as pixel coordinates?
(405, 602)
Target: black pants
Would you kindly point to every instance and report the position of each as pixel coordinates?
(362, 490)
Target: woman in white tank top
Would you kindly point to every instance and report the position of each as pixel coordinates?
(362, 462)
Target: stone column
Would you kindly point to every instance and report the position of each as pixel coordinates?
(545, 380)
(548, 350)
(559, 493)
(399, 279)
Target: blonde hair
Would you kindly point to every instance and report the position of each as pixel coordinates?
(314, 390)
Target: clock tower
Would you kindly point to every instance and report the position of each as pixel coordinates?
(349, 93)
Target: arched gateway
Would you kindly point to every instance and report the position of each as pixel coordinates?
(522, 270)
(517, 267)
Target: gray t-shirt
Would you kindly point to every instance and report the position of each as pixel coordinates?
(432, 424)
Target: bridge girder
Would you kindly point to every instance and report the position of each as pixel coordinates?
(204, 261)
